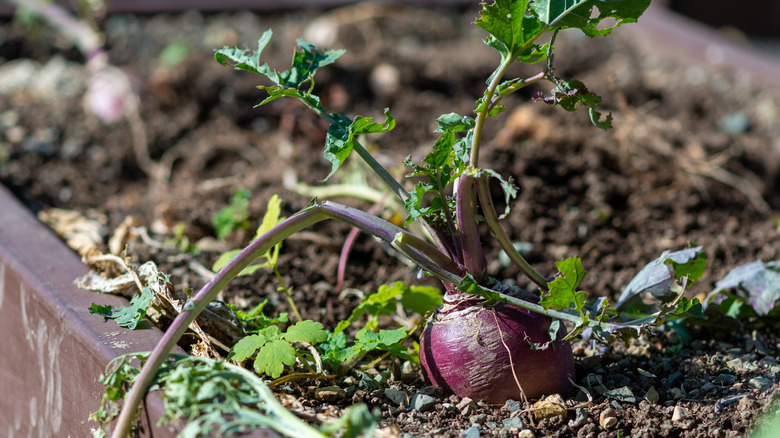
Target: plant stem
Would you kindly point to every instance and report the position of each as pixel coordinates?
(422, 252)
(286, 291)
(260, 246)
(483, 113)
(491, 218)
(473, 255)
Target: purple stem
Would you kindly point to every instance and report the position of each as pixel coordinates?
(473, 255)
(419, 251)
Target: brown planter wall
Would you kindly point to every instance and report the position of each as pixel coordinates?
(53, 349)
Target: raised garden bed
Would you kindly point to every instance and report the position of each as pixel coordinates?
(617, 206)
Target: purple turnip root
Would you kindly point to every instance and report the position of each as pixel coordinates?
(466, 347)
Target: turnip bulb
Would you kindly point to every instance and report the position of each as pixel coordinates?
(471, 349)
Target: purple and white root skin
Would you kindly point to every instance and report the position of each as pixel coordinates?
(465, 349)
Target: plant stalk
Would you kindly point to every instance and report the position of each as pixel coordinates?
(421, 252)
(473, 255)
(491, 218)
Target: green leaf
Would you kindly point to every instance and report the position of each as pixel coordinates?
(370, 340)
(245, 60)
(246, 347)
(454, 122)
(512, 32)
(273, 356)
(306, 62)
(421, 299)
(755, 283)
(130, 316)
(354, 422)
(307, 331)
(234, 216)
(563, 289)
(588, 15)
(343, 133)
(270, 219)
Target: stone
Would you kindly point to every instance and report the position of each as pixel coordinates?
(513, 425)
(608, 418)
(478, 419)
(676, 393)
(680, 413)
(526, 433)
(725, 380)
(552, 406)
(467, 407)
(513, 405)
(408, 373)
(759, 383)
(397, 396)
(471, 432)
(652, 395)
(675, 377)
(422, 402)
(330, 394)
(622, 394)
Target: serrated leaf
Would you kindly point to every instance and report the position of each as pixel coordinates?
(588, 15)
(563, 292)
(757, 283)
(370, 340)
(245, 60)
(246, 347)
(307, 331)
(343, 133)
(657, 278)
(511, 30)
(273, 356)
(454, 122)
(130, 316)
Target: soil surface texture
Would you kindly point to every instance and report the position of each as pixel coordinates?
(694, 156)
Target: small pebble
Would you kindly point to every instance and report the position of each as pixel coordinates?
(622, 394)
(467, 407)
(674, 378)
(676, 393)
(513, 405)
(709, 386)
(471, 432)
(330, 394)
(725, 379)
(397, 396)
(422, 402)
(608, 418)
(526, 433)
(513, 423)
(759, 383)
(408, 373)
(552, 406)
(478, 419)
(680, 413)
(652, 395)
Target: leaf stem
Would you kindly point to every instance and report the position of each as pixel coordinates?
(483, 113)
(491, 218)
(417, 249)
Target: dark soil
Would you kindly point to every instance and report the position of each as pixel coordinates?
(694, 156)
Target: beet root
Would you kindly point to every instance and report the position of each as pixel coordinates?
(465, 349)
